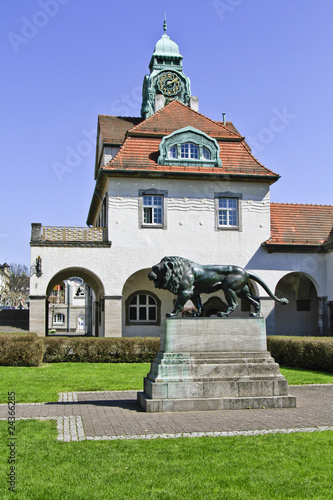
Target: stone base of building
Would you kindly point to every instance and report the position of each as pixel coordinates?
(214, 364)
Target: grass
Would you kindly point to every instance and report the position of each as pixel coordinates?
(42, 384)
(300, 376)
(284, 466)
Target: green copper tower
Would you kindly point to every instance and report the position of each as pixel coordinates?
(166, 81)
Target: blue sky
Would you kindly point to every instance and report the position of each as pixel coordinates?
(267, 64)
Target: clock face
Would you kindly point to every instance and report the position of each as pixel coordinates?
(169, 83)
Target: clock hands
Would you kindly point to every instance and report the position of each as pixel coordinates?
(172, 81)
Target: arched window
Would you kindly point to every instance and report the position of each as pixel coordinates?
(173, 152)
(205, 153)
(141, 308)
(58, 318)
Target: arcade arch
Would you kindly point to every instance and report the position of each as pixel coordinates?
(86, 316)
(300, 316)
(139, 294)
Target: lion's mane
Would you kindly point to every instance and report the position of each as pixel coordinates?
(173, 276)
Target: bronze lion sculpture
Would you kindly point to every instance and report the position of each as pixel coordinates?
(188, 280)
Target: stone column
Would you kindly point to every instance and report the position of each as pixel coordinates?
(330, 319)
(113, 316)
(323, 319)
(268, 312)
(37, 314)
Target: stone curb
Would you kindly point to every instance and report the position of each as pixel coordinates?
(210, 434)
(71, 429)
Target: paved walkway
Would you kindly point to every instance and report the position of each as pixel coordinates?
(116, 415)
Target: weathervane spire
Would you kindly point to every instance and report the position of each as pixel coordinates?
(165, 23)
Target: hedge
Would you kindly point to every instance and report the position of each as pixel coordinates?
(21, 350)
(312, 353)
(100, 350)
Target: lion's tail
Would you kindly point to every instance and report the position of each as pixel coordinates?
(256, 278)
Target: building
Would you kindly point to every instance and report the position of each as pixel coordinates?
(67, 308)
(175, 182)
(4, 284)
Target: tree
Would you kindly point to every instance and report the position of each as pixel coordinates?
(16, 292)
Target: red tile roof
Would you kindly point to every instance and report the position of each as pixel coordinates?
(140, 150)
(295, 224)
(176, 115)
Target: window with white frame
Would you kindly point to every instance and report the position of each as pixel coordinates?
(152, 208)
(189, 150)
(143, 307)
(228, 211)
(59, 318)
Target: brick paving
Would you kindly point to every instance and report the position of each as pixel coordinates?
(116, 415)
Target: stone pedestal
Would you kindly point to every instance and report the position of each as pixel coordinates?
(214, 364)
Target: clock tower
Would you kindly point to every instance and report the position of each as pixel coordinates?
(166, 81)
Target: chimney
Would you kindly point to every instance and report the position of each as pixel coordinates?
(194, 103)
(159, 102)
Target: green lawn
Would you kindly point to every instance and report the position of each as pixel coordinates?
(42, 384)
(292, 466)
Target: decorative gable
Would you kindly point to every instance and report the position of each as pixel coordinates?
(189, 146)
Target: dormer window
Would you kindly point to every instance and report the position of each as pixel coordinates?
(189, 146)
(190, 151)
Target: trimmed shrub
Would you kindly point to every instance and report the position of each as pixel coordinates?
(21, 350)
(57, 350)
(312, 353)
(101, 350)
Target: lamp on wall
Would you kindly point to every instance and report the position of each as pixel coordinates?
(37, 267)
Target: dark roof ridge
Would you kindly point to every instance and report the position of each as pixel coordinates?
(121, 117)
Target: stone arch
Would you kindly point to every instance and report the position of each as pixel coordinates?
(88, 277)
(300, 316)
(138, 282)
(91, 307)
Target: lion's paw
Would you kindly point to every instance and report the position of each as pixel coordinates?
(222, 315)
(171, 315)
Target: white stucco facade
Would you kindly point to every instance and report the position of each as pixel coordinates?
(117, 271)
